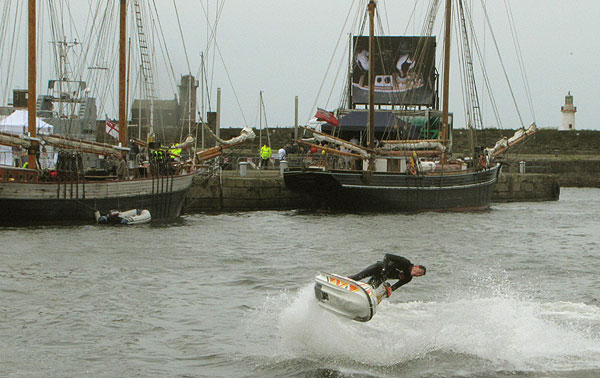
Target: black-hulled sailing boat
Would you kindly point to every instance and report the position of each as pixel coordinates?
(418, 176)
(28, 196)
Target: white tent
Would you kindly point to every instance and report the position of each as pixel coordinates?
(16, 123)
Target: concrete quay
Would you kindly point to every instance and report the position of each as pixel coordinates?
(259, 190)
(264, 190)
(517, 187)
(580, 171)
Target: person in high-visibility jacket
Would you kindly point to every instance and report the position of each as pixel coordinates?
(265, 155)
(176, 152)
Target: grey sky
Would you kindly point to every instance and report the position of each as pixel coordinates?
(283, 48)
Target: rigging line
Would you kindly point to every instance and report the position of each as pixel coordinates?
(519, 56)
(387, 20)
(358, 18)
(82, 58)
(231, 83)
(163, 41)
(187, 59)
(364, 17)
(13, 47)
(379, 41)
(106, 48)
(4, 26)
(485, 76)
(410, 17)
(264, 112)
(463, 68)
(206, 88)
(152, 21)
(86, 41)
(213, 27)
(257, 113)
(331, 60)
(218, 49)
(469, 73)
(217, 17)
(336, 77)
(211, 39)
(512, 94)
(39, 50)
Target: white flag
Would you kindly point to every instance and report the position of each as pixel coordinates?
(112, 128)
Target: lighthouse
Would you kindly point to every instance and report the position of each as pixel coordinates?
(568, 112)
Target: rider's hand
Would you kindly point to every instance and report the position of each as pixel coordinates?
(388, 289)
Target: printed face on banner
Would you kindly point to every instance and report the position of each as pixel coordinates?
(404, 70)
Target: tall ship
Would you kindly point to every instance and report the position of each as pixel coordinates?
(390, 149)
(55, 182)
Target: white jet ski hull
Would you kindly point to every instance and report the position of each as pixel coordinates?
(352, 299)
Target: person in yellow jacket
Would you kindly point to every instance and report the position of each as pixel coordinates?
(265, 155)
(175, 152)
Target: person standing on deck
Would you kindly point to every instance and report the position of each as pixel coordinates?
(265, 155)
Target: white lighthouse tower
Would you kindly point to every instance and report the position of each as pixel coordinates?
(568, 112)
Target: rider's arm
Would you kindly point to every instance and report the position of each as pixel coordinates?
(401, 282)
(396, 260)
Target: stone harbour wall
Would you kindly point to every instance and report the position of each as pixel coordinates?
(515, 187)
(571, 172)
(264, 190)
(261, 190)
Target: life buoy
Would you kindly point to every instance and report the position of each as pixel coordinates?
(412, 169)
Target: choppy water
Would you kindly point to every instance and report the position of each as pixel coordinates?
(510, 292)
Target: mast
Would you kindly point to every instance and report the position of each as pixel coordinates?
(31, 90)
(202, 98)
(371, 123)
(122, 73)
(260, 109)
(350, 51)
(446, 84)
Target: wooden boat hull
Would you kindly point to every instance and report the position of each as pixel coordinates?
(377, 191)
(47, 202)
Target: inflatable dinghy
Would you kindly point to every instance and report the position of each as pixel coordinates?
(134, 216)
(348, 298)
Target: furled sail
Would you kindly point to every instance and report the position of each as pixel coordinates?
(321, 137)
(505, 143)
(61, 142)
(245, 135)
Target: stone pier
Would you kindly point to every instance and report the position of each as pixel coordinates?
(264, 190)
(516, 187)
(259, 190)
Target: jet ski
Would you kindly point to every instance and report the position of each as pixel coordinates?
(346, 297)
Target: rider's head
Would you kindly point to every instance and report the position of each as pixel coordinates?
(418, 270)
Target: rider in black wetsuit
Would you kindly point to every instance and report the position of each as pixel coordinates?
(392, 267)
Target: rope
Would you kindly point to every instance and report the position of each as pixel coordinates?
(211, 37)
(314, 105)
(187, 59)
(512, 94)
(218, 49)
(520, 57)
(14, 43)
(163, 43)
(484, 71)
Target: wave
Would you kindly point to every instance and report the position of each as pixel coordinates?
(500, 332)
